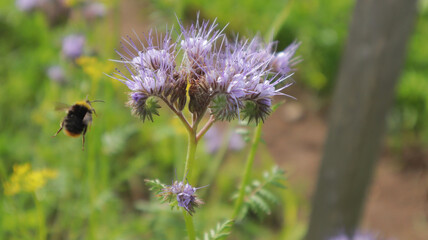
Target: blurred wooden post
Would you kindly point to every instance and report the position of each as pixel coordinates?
(369, 70)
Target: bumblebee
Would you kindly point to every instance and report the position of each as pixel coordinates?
(77, 120)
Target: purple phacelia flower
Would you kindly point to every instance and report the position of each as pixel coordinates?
(152, 68)
(198, 41)
(56, 74)
(357, 236)
(223, 78)
(236, 142)
(154, 60)
(214, 139)
(184, 194)
(285, 60)
(94, 10)
(72, 45)
(152, 73)
(27, 5)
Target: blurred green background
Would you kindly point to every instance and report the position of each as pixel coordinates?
(51, 189)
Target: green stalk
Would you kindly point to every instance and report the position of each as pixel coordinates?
(278, 22)
(191, 149)
(189, 225)
(247, 171)
(41, 216)
(92, 188)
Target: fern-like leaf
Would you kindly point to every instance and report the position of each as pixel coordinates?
(220, 231)
(261, 204)
(258, 197)
(155, 185)
(268, 195)
(158, 188)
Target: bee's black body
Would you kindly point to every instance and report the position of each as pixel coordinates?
(78, 117)
(73, 122)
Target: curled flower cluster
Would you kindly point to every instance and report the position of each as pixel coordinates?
(226, 79)
(184, 195)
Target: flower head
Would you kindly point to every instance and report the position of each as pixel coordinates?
(184, 194)
(223, 78)
(72, 45)
(152, 73)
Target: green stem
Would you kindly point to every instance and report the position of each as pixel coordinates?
(41, 216)
(189, 225)
(191, 149)
(179, 115)
(278, 22)
(247, 171)
(205, 128)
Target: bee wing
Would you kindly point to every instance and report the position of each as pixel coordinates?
(88, 118)
(61, 106)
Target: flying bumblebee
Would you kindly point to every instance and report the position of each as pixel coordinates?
(77, 120)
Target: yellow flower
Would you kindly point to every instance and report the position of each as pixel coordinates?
(20, 170)
(25, 180)
(11, 188)
(72, 3)
(94, 68)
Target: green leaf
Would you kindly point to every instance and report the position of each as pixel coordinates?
(155, 185)
(268, 195)
(276, 105)
(261, 204)
(258, 197)
(220, 232)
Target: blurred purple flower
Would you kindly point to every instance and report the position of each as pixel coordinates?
(214, 138)
(56, 74)
(357, 236)
(94, 10)
(27, 5)
(284, 61)
(236, 142)
(72, 45)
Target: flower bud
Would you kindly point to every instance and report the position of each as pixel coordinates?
(143, 106)
(257, 110)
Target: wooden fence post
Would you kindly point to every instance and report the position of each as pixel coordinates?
(369, 70)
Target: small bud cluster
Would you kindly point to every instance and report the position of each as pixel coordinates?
(222, 78)
(184, 194)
